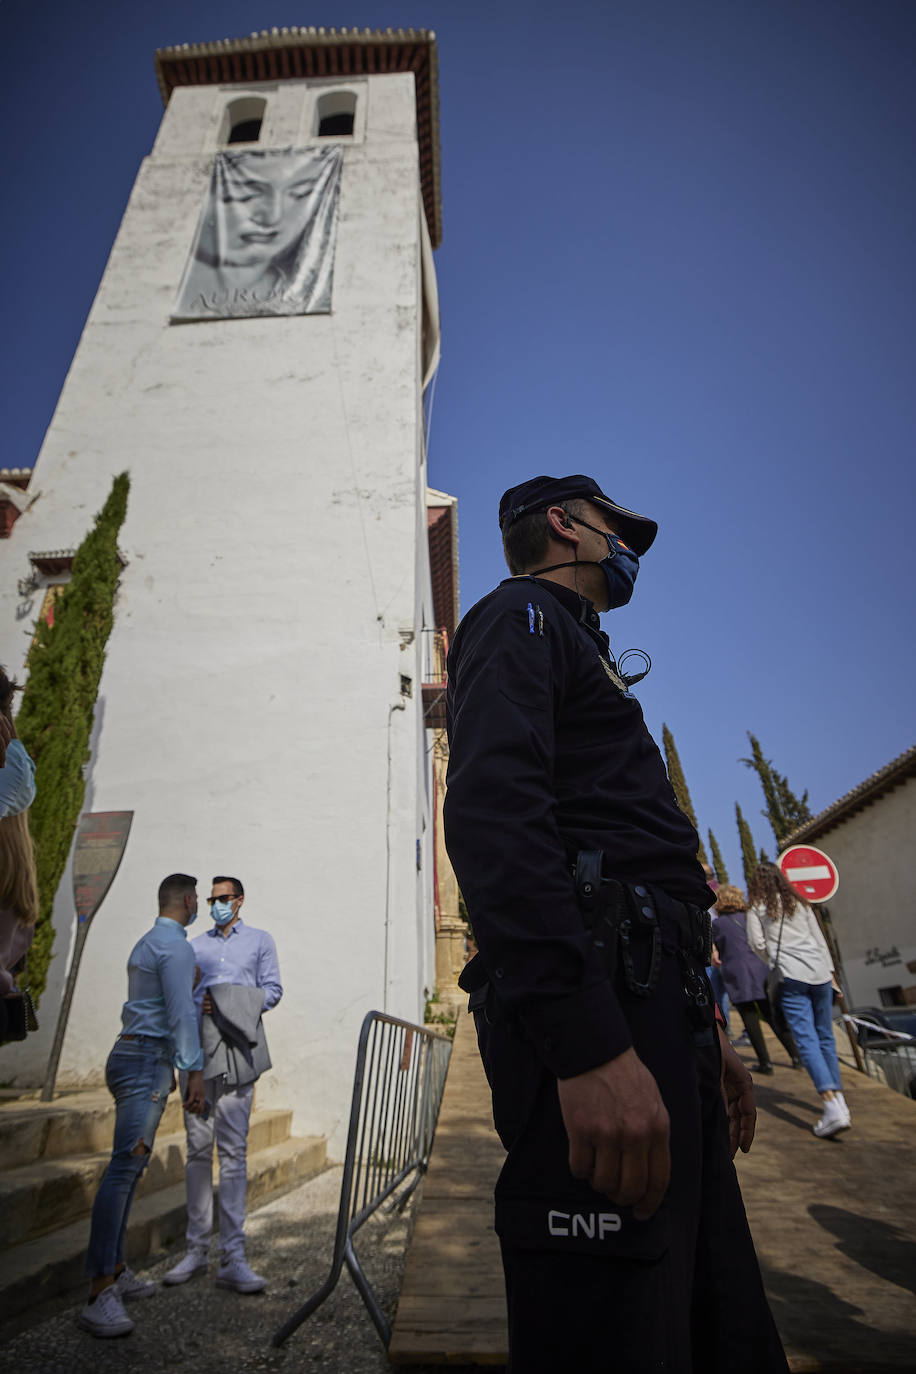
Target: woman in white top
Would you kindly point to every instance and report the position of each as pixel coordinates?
(783, 930)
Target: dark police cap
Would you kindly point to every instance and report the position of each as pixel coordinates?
(540, 492)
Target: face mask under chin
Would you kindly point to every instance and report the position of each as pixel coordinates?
(619, 567)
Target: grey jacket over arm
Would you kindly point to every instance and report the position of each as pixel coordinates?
(235, 1046)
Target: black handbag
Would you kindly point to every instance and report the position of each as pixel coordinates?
(20, 1015)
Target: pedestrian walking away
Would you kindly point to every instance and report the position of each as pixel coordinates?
(784, 930)
(239, 979)
(744, 974)
(159, 1033)
(618, 1100)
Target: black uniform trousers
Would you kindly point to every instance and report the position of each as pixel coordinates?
(589, 1288)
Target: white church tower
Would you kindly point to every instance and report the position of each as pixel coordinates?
(259, 371)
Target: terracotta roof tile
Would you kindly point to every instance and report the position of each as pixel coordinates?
(892, 775)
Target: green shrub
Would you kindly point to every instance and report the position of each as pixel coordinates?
(58, 704)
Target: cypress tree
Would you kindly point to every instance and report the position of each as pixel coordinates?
(58, 704)
(718, 862)
(748, 857)
(679, 784)
(784, 810)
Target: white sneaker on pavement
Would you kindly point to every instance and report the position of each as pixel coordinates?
(106, 1316)
(836, 1118)
(194, 1262)
(235, 1273)
(131, 1288)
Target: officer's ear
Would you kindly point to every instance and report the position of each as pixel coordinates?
(561, 527)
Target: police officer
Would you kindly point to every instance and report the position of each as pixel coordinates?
(624, 1240)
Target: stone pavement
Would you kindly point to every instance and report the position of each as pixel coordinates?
(834, 1221)
(198, 1327)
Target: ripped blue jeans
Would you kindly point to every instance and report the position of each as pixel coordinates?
(139, 1078)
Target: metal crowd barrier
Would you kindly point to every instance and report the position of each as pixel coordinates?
(890, 1056)
(397, 1092)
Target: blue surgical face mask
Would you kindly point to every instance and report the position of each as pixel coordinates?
(192, 917)
(620, 569)
(222, 912)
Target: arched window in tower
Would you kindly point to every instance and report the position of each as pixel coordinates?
(243, 119)
(336, 114)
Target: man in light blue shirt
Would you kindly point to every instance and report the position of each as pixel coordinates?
(159, 1030)
(237, 955)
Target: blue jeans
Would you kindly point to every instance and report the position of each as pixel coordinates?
(808, 1008)
(139, 1078)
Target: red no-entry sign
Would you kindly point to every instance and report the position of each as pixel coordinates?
(810, 871)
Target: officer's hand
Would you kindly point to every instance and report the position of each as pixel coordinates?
(206, 1005)
(738, 1092)
(618, 1132)
(195, 1096)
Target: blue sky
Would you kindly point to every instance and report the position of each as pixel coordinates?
(678, 255)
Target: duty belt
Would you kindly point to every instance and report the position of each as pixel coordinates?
(622, 915)
(623, 920)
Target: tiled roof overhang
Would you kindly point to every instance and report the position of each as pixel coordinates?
(299, 53)
(893, 775)
(16, 477)
(53, 562)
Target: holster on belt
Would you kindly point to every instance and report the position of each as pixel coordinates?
(623, 920)
(474, 981)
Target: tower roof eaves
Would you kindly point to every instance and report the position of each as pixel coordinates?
(300, 53)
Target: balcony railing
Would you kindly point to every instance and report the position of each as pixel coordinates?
(435, 654)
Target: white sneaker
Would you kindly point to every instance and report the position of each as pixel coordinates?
(838, 1097)
(194, 1262)
(236, 1274)
(106, 1316)
(130, 1288)
(836, 1118)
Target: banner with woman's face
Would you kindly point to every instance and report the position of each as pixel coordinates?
(265, 241)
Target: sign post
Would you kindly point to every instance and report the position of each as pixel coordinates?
(101, 839)
(815, 878)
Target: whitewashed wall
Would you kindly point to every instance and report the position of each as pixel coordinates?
(277, 583)
(874, 910)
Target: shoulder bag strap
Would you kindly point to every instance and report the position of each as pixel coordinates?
(779, 939)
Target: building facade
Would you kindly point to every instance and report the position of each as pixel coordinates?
(868, 834)
(261, 706)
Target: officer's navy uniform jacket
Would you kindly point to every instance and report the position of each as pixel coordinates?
(549, 756)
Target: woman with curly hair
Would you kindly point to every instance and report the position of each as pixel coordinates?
(745, 976)
(783, 929)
